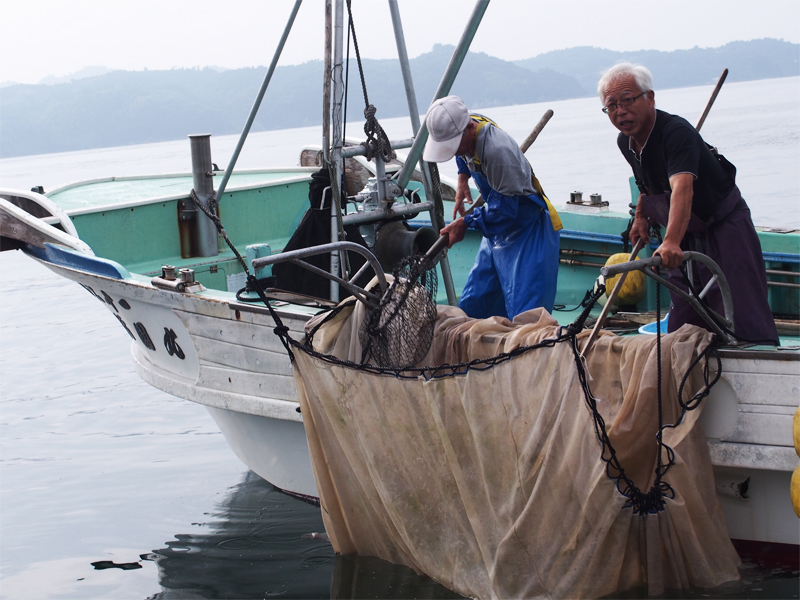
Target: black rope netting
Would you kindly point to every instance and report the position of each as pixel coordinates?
(651, 501)
(399, 331)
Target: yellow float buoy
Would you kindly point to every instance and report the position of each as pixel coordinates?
(796, 430)
(635, 285)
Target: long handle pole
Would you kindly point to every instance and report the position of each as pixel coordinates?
(711, 100)
(437, 247)
(259, 98)
(611, 298)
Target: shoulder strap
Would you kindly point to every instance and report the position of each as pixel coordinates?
(554, 218)
(482, 122)
(727, 166)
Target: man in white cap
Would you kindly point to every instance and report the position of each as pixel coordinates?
(516, 267)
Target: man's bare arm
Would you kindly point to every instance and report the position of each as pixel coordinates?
(680, 210)
(640, 228)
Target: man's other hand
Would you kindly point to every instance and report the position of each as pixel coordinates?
(640, 229)
(456, 230)
(463, 194)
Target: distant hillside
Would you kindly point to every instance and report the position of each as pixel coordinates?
(85, 72)
(756, 59)
(134, 107)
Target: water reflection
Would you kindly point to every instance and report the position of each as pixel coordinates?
(369, 577)
(261, 543)
(251, 546)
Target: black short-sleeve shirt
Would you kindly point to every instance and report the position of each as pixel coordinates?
(675, 146)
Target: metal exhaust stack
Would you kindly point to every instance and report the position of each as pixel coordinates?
(204, 188)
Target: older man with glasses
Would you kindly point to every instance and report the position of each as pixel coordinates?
(689, 189)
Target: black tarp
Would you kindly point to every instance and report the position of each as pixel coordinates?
(315, 229)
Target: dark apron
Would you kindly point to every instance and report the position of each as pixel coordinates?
(730, 240)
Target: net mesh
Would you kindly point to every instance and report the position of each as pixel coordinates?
(399, 331)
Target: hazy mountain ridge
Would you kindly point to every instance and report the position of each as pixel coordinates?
(757, 59)
(135, 107)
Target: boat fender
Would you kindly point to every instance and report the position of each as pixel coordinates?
(633, 288)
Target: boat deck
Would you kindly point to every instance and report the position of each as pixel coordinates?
(118, 192)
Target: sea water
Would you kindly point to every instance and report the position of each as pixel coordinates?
(110, 488)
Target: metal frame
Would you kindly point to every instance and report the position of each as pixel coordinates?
(333, 148)
(444, 88)
(296, 256)
(717, 276)
(413, 111)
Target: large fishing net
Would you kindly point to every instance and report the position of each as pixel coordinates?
(462, 447)
(499, 467)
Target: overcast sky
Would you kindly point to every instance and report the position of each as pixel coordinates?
(42, 38)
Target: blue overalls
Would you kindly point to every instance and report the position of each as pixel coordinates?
(516, 268)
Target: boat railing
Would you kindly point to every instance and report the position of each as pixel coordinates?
(39, 205)
(32, 218)
(723, 326)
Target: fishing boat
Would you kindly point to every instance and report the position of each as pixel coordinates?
(148, 250)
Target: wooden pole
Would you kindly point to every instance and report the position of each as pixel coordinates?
(711, 100)
(536, 131)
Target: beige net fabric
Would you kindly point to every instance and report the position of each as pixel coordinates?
(491, 482)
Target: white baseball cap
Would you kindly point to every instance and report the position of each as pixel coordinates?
(447, 119)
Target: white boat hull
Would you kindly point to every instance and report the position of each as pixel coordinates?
(235, 365)
(748, 422)
(221, 354)
(265, 433)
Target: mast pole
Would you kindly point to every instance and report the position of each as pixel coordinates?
(337, 142)
(257, 103)
(326, 139)
(444, 89)
(326, 84)
(413, 111)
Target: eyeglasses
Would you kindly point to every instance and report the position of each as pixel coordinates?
(624, 103)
